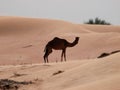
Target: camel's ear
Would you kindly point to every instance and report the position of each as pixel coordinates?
(77, 37)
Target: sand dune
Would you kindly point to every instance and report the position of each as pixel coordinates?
(22, 41)
(17, 33)
(88, 74)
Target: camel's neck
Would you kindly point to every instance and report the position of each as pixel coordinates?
(73, 43)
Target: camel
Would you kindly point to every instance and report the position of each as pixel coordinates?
(58, 44)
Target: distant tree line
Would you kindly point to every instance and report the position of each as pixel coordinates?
(97, 21)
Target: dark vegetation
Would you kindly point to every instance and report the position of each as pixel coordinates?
(6, 84)
(58, 72)
(104, 55)
(97, 21)
(107, 54)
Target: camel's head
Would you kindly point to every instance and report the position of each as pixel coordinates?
(77, 38)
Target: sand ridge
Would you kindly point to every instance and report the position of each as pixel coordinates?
(18, 32)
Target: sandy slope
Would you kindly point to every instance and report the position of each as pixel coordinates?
(94, 74)
(23, 40)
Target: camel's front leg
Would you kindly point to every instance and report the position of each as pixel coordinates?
(65, 54)
(62, 55)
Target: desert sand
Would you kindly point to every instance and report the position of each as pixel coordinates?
(22, 43)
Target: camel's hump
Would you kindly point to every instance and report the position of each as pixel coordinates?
(56, 38)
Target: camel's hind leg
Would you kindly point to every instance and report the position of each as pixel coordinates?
(48, 51)
(45, 58)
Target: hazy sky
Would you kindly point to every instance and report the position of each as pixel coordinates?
(77, 11)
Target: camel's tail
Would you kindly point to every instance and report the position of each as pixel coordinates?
(45, 48)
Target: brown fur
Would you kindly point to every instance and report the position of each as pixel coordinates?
(58, 44)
